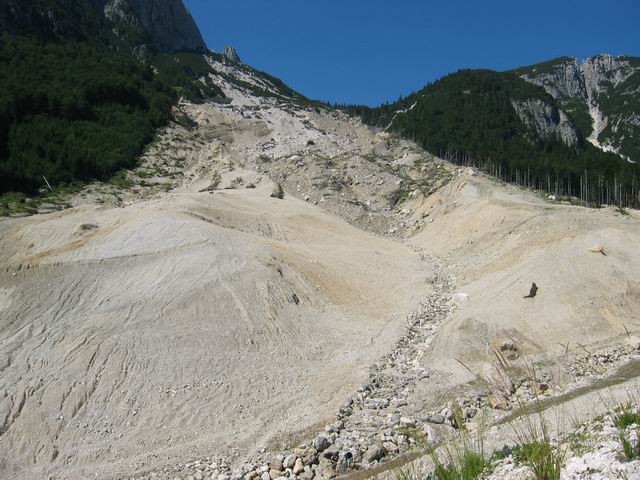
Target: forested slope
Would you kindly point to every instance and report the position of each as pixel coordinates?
(470, 118)
(75, 102)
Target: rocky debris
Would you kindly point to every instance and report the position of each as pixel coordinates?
(597, 364)
(460, 298)
(510, 350)
(374, 453)
(372, 426)
(371, 187)
(593, 451)
(437, 419)
(321, 443)
(363, 178)
(511, 392)
(278, 192)
(298, 466)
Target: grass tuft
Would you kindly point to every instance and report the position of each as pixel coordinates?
(462, 457)
(536, 448)
(626, 417)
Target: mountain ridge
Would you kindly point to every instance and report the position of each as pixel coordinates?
(516, 129)
(145, 26)
(167, 24)
(549, 116)
(599, 88)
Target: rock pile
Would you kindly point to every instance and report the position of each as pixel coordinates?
(598, 363)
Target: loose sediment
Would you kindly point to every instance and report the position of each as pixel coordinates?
(373, 426)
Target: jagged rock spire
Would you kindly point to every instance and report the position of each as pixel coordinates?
(230, 54)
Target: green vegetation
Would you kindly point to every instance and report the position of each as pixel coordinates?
(73, 111)
(188, 73)
(17, 203)
(468, 118)
(461, 457)
(541, 457)
(579, 113)
(76, 102)
(626, 417)
(415, 434)
(535, 447)
(466, 465)
(52, 20)
(580, 442)
(397, 197)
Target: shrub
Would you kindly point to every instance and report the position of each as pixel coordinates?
(536, 449)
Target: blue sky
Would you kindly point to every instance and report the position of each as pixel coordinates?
(370, 51)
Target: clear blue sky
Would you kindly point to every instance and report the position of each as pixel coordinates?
(370, 51)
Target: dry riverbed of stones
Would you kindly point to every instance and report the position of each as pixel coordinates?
(371, 427)
(376, 424)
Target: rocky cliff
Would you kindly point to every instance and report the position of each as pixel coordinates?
(162, 25)
(158, 26)
(600, 94)
(546, 120)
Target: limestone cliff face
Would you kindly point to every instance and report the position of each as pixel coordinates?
(162, 25)
(564, 80)
(604, 91)
(547, 121)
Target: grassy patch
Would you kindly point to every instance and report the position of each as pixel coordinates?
(544, 460)
(461, 457)
(415, 434)
(14, 203)
(580, 442)
(626, 417)
(397, 197)
(536, 449)
(18, 204)
(468, 466)
(121, 180)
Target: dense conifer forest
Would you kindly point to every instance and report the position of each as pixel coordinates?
(75, 102)
(73, 111)
(468, 118)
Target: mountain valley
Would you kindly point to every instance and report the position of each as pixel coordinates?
(273, 288)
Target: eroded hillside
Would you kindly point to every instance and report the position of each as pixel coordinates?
(185, 322)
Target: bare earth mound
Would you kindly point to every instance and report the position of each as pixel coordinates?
(185, 326)
(498, 240)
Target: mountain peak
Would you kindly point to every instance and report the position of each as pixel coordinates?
(230, 53)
